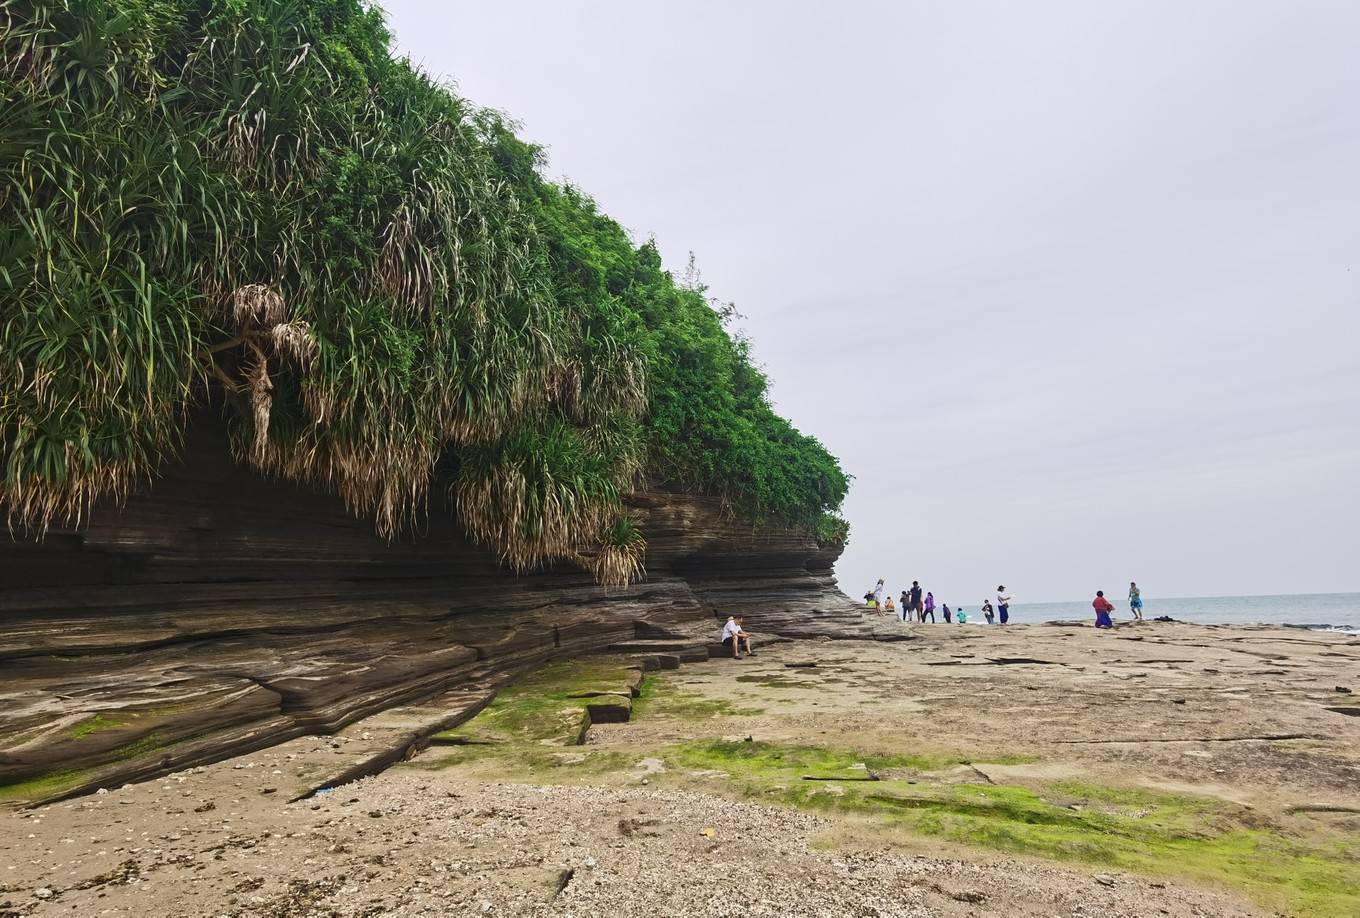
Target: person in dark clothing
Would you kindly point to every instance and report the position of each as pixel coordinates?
(944, 610)
(906, 607)
(916, 601)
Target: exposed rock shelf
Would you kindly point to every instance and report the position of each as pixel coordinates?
(220, 612)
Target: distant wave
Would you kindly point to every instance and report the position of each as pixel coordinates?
(1339, 629)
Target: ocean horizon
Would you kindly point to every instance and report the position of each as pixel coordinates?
(1315, 611)
(1318, 611)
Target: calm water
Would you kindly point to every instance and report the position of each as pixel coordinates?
(1323, 611)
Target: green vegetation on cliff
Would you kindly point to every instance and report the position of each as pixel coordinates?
(251, 203)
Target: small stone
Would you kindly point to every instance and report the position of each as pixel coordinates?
(1343, 689)
(43, 893)
(376, 814)
(1104, 879)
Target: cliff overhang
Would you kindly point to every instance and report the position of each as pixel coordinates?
(219, 612)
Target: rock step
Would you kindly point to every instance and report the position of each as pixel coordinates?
(655, 661)
(685, 651)
(555, 704)
(396, 734)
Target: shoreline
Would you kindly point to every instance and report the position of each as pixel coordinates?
(1318, 611)
(1345, 629)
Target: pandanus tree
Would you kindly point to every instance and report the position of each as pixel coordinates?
(251, 202)
(251, 205)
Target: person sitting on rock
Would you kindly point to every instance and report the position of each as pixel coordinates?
(734, 637)
(888, 607)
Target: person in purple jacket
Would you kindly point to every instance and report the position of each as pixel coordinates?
(929, 608)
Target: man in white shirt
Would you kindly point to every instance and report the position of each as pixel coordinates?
(734, 637)
(1003, 604)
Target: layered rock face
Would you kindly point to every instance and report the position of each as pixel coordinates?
(219, 612)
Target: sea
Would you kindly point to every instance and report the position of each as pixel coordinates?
(1316, 611)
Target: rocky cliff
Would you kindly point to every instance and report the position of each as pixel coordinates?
(219, 612)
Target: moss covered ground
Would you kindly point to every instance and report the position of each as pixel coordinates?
(661, 697)
(55, 783)
(546, 707)
(919, 795)
(1202, 839)
(92, 725)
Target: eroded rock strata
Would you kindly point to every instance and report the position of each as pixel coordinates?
(219, 612)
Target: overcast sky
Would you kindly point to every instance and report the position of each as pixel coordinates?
(1072, 288)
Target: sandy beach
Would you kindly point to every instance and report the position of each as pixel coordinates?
(1037, 770)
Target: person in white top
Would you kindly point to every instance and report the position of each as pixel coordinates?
(1003, 604)
(733, 637)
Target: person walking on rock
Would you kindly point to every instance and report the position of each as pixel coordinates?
(916, 600)
(944, 611)
(1135, 601)
(906, 606)
(1103, 609)
(929, 608)
(1003, 605)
